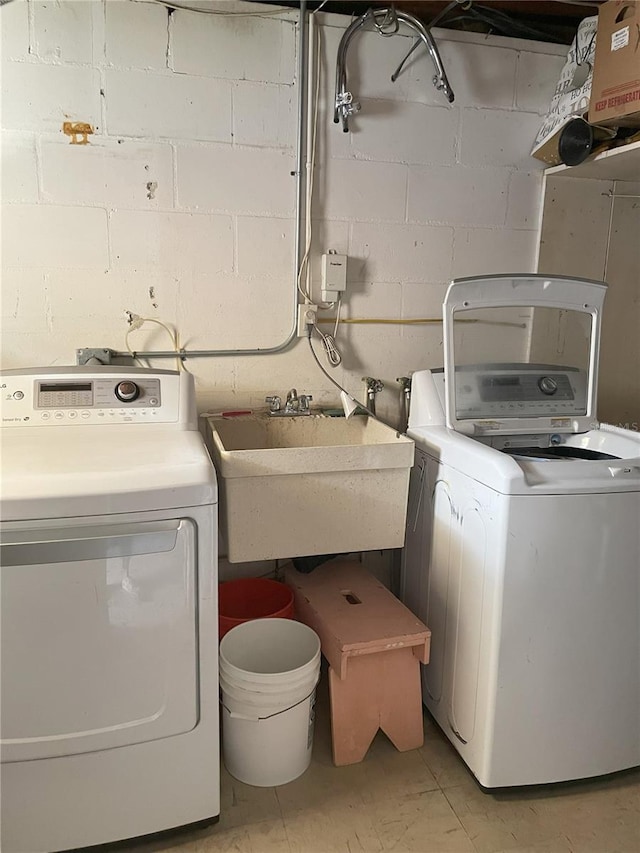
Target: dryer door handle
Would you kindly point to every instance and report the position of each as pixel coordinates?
(39, 547)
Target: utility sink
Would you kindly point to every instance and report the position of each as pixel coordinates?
(296, 486)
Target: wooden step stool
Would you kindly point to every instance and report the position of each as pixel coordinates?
(374, 646)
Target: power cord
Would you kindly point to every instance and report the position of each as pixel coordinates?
(334, 356)
(136, 322)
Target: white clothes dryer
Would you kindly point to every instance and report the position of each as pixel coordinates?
(108, 588)
(523, 541)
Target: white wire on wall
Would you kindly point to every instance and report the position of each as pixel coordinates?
(334, 356)
(136, 322)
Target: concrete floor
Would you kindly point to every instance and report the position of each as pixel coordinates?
(424, 801)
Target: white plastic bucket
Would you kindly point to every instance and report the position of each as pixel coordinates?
(269, 669)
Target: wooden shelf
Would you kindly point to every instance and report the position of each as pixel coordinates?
(616, 164)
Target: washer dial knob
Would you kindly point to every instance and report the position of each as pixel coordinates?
(127, 391)
(548, 385)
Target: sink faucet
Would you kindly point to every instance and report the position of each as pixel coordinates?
(294, 404)
(374, 386)
(274, 404)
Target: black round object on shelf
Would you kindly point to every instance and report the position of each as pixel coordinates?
(576, 142)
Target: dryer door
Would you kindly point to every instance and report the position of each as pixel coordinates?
(99, 645)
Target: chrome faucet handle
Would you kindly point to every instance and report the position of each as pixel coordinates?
(345, 99)
(373, 385)
(305, 399)
(346, 102)
(274, 403)
(293, 403)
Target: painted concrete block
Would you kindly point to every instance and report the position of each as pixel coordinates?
(14, 33)
(265, 247)
(43, 97)
(421, 347)
(24, 300)
(176, 242)
(70, 333)
(378, 133)
(223, 311)
(264, 115)
(400, 252)
(19, 179)
(424, 300)
(498, 138)
(536, 80)
(457, 195)
(356, 189)
(481, 75)
(144, 292)
(149, 22)
(240, 180)
(67, 237)
(63, 32)
(380, 300)
(108, 174)
(234, 47)
(373, 350)
(168, 106)
(71, 296)
(525, 197)
(20, 347)
(482, 251)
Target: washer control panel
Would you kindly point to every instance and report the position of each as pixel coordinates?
(59, 397)
(520, 391)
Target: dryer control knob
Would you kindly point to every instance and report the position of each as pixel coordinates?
(548, 385)
(127, 391)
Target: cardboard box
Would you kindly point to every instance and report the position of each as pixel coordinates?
(571, 97)
(615, 88)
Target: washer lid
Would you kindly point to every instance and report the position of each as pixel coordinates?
(610, 464)
(502, 330)
(101, 471)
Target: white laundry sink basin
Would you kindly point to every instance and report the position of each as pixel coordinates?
(309, 485)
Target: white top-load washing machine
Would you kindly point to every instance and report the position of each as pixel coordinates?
(523, 539)
(108, 588)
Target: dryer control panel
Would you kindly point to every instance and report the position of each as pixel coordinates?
(97, 393)
(78, 395)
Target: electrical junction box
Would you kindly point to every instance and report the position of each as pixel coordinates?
(334, 276)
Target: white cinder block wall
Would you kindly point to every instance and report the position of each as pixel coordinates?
(181, 206)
